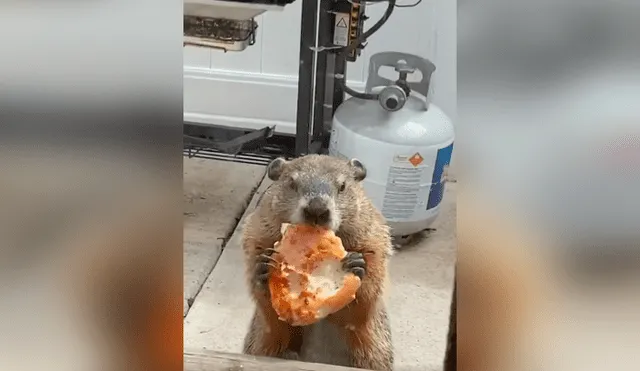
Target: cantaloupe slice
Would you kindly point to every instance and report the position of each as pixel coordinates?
(309, 283)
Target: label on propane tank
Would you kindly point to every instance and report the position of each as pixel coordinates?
(415, 184)
(408, 185)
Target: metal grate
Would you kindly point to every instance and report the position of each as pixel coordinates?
(242, 157)
(257, 147)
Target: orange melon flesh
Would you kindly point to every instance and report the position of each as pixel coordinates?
(309, 283)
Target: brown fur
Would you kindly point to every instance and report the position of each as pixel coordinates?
(364, 323)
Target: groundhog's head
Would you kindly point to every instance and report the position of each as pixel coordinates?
(316, 189)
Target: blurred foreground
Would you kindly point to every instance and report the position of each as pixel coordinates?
(89, 273)
(548, 212)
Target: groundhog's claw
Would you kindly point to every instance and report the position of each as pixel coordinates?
(354, 263)
(264, 263)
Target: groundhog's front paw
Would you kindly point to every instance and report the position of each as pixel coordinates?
(264, 263)
(354, 263)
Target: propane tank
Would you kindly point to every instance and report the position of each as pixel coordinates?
(404, 141)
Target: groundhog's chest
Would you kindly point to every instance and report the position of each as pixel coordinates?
(324, 342)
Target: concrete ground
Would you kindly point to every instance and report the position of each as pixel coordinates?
(217, 304)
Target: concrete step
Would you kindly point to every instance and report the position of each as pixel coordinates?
(216, 194)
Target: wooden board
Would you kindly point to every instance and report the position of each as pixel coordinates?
(220, 361)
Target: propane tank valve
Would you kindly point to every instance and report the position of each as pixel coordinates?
(393, 97)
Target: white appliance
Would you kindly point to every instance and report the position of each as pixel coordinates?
(404, 141)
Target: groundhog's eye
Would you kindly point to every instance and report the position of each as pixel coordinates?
(342, 187)
(293, 185)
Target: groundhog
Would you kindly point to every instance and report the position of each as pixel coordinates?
(326, 191)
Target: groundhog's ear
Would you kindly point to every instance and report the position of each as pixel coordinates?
(275, 168)
(359, 171)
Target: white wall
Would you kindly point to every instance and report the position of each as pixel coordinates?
(258, 86)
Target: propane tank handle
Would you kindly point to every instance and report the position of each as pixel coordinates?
(404, 64)
(404, 68)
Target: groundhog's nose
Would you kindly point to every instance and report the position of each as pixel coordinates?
(317, 212)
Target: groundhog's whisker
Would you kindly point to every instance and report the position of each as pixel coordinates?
(272, 266)
(272, 259)
(271, 249)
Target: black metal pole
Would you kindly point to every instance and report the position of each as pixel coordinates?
(323, 71)
(306, 76)
(320, 91)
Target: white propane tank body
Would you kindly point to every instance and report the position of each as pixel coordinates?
(406, 151)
